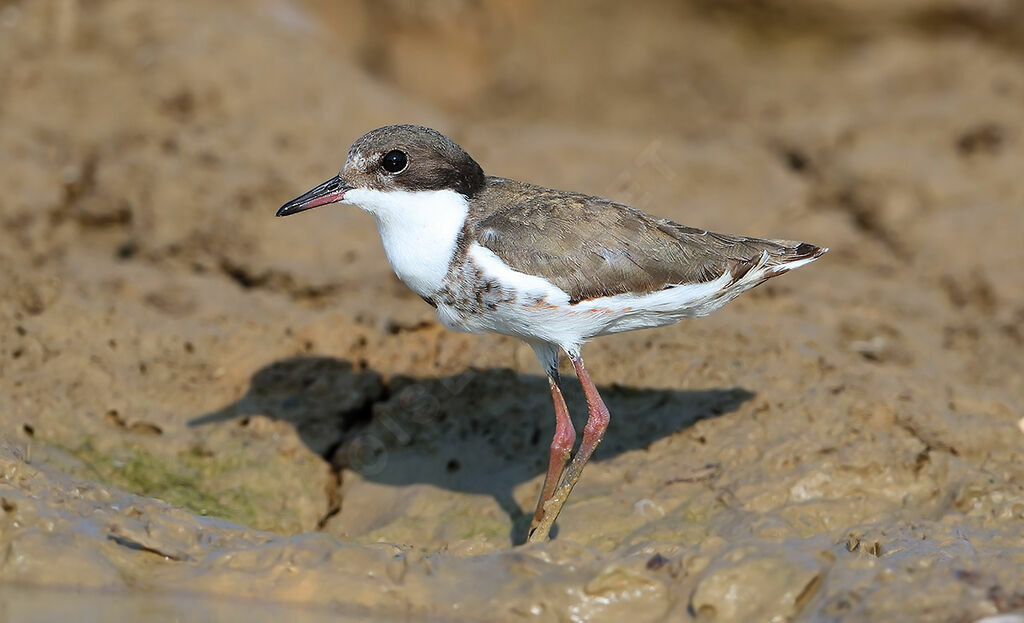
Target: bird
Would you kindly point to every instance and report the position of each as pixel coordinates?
(552, 268)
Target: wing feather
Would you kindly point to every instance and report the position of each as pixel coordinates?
(591, 247)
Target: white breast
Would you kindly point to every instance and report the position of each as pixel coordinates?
(419, 231)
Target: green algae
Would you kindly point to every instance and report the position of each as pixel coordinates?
(217, 485)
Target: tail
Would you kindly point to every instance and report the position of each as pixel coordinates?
(791, 255)
(776, 257)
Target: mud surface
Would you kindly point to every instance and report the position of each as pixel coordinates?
(204, 408)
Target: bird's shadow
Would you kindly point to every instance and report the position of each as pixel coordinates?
(480, 431)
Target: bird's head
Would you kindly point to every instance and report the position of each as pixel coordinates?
(394, 159)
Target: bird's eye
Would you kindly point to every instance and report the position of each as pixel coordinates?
(395, 161)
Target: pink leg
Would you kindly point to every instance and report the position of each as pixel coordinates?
(597, 424)
(561, 448)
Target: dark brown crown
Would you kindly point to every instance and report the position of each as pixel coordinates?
(435, 162)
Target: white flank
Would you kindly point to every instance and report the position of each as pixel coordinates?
(541, 310)
(524, 285)
(418, 229)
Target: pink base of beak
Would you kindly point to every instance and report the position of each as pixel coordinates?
(322, 201)
(331, 191)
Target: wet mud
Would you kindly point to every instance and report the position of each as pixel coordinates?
(203, 408)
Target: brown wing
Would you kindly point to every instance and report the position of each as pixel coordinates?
(590, 247)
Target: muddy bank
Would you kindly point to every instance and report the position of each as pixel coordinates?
(196, 397)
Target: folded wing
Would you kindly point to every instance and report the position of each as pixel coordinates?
(590, 247)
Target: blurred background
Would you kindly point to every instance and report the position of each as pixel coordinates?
(163, 334)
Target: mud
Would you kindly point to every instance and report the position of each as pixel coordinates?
(207, 412)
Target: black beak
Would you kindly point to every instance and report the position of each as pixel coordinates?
(331, 191)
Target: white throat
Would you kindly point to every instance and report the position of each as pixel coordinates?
(419, 231)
